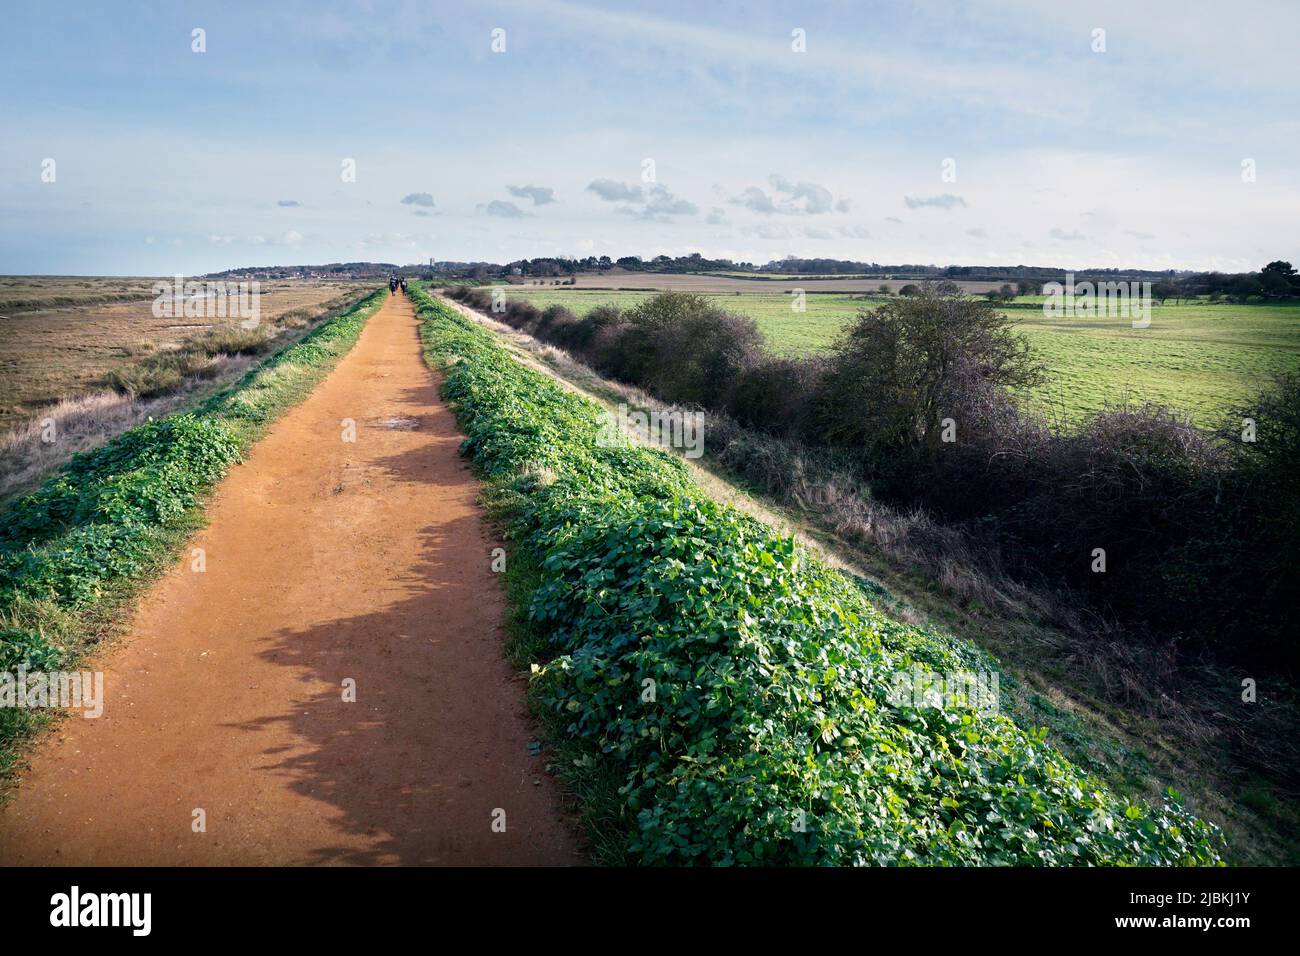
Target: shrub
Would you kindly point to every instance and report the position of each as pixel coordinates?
(160, 373)
(551, 317)
(698, 358)
(580, 339)
(774, 394)
(147, 380)
(233, 340)
(1250, 543)
(520, 314)
(609, 348)
(905, 366)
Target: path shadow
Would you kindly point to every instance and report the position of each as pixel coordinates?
(437, 740)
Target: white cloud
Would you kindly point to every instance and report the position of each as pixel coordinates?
(789, 198)
(654, 202)
(540, 195)
(506, 210)
(613, 191)
(767, 231)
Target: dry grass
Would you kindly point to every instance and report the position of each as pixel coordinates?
(48, 353)
(85, 422)
(71, 379)
(22, 293)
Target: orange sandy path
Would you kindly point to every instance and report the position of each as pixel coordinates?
(325, 560)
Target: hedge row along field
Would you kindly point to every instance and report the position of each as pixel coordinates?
(736, 690)
(73, 551)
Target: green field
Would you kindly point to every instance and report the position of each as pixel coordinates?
(1199, 358)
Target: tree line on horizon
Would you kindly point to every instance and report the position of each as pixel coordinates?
(1276, 281)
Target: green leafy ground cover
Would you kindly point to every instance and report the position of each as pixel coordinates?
(719, 696)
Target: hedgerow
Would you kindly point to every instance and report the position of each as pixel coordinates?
(739, 689)
(72, 551)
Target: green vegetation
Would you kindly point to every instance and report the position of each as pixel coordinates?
(720, 696)
(1199, 357)
(75, 550)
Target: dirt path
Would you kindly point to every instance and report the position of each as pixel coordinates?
(325, 560)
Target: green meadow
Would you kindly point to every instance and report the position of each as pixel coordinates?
(1199, 358)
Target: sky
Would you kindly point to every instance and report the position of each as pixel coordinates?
(1070, 133)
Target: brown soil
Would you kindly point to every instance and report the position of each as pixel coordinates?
(326, 560)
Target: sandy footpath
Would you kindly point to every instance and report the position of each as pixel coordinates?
(326, 560)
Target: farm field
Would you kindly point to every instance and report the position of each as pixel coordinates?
(65, 348)
(722, 283)
(1200, 358)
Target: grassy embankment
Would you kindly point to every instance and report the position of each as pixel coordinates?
(719, 695)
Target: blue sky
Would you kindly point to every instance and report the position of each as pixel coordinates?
(983, 132)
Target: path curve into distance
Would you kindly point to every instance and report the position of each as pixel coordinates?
(325, 560)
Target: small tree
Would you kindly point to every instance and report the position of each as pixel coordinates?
(1162, 290)
(1279, 279)
(905, 366)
